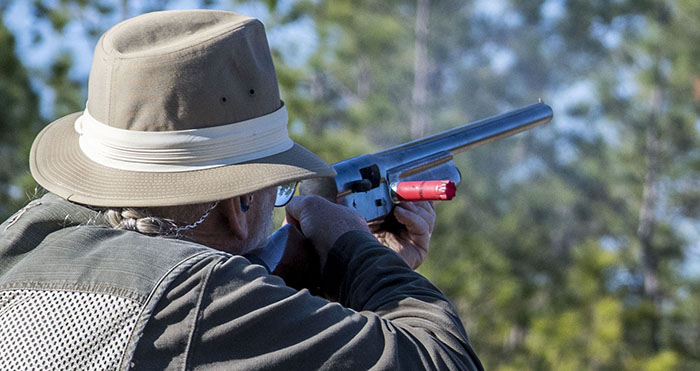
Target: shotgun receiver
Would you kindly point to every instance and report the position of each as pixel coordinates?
(368, 183)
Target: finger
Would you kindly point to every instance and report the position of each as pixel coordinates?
(415, 224)
(427, 205)
(426, 209)
(292, 212)
(423, 210)
(415, 205)
(419, 207)
(295, 207)
(375, 226)
(288, 219)
(431, 216)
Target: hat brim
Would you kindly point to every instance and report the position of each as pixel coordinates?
(57, 164)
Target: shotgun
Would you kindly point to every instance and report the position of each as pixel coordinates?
(370, 183)
(373, 183)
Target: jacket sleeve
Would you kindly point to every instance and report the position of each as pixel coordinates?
(386, 317)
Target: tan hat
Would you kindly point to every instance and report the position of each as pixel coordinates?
(183, 107)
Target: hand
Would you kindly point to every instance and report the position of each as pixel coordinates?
(412, 240)
(323, 222)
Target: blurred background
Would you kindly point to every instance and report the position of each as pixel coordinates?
(573, 246)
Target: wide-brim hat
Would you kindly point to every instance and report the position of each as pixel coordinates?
(183, 107)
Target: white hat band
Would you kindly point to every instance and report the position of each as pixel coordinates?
(183, 150)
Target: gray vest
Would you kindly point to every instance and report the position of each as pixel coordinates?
(75, 294)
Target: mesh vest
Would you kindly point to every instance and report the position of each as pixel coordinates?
(75, 294)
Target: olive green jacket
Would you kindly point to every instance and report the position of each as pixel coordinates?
(75, 294)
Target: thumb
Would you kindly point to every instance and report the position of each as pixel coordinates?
(294, 211)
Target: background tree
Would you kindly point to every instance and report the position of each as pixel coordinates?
(19, 119)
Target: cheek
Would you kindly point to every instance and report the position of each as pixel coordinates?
(267, 200)
(262, 220)
(259, 228)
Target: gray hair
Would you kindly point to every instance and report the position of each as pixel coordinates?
(153, 221)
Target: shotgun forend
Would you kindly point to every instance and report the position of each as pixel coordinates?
(365, 182)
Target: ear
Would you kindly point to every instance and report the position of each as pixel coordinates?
(236, 217)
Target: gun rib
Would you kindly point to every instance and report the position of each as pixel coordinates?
(474, 134)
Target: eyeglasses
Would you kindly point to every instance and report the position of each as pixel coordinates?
(285, 192)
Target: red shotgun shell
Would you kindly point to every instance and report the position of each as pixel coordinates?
(429, 190)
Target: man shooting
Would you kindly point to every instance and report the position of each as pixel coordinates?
(160, 193)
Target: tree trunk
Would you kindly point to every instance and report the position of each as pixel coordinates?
(318, 93)
(420, 120)
(647, 217)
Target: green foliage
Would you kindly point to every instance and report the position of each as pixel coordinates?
(18, 121)
(70, 97)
